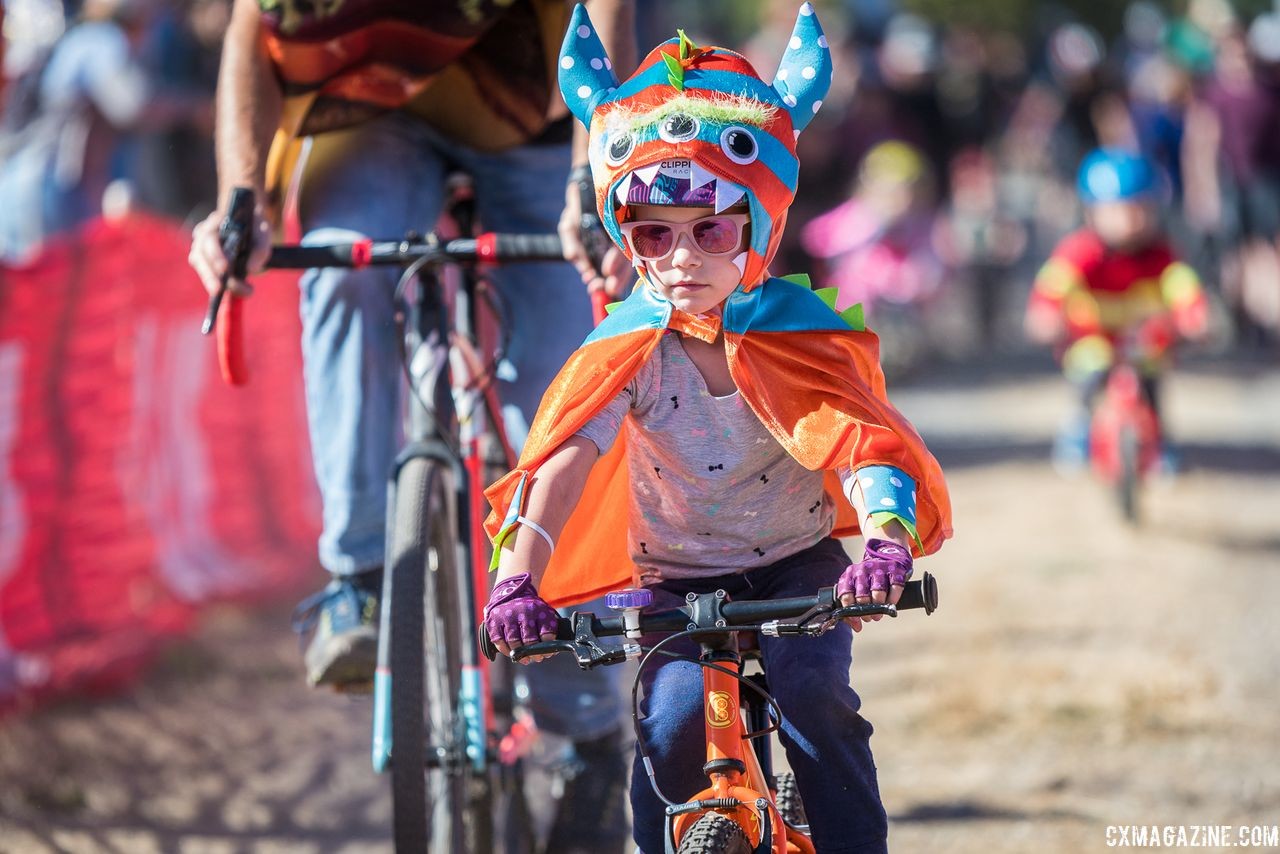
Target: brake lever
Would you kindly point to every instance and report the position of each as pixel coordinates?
(867, 610)
(233, 234)
(805, 625)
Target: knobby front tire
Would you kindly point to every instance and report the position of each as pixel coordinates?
(433, 791)
(714, 833)
(788, 800)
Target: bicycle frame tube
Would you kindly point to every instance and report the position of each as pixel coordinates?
(427, 324)
(733, 770)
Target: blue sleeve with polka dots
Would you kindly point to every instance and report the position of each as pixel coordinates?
(888, 493)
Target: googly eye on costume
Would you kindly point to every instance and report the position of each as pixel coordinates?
(678, 127)
(620, 148)
(739, 145)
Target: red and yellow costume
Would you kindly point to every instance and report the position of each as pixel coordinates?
(1102, 294)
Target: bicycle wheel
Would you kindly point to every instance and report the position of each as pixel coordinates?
(788, 800)
(428, 777)
(714, 833)
(1127, 477)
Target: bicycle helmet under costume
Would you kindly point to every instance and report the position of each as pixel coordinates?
(1114, 175)
(697, 126)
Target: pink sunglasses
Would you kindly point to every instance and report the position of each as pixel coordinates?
(653, 240)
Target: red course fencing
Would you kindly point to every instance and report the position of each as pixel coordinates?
(135, 486)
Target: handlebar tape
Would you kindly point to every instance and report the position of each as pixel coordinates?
(354, 255)
(236, 242)
(518, 247)
(599, 311)
(231, 361)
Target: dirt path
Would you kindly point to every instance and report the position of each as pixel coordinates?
(1080, 674)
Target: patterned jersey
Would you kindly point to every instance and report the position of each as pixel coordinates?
(480, 71)
(712, 490)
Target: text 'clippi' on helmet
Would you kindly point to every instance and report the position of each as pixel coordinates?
(1115, 175)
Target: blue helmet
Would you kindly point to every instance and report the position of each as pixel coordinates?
(1115, 175)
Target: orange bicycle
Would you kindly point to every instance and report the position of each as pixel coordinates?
(746, 808)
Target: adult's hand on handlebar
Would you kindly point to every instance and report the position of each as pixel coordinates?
(879, 577)
(613, 271)
(516, 615)
(211, 263)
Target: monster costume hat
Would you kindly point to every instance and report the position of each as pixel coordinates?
(697, 125)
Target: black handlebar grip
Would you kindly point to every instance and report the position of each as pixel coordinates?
(528, 247)
(487, 649)
(564, 631)
(920, 594)
(306, 257)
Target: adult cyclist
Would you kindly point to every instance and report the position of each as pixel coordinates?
(360, 108)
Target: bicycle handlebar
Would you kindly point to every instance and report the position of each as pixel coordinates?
(485, 248)
(713, 612)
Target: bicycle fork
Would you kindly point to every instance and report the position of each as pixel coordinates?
(739, 788)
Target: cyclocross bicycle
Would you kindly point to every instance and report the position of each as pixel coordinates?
(437, 729)
(746, 808)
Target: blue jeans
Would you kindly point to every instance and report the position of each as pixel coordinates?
(827, 742)
(380, 180)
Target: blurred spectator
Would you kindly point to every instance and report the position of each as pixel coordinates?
(1094, 109)
(173, 167)
(877, 248)
(90, 92)
(1159, 91)
(1232, 154)
(980, 238)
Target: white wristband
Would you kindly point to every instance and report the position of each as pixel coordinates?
(539, 530)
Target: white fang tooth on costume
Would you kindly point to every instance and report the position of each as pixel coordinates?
(727, 195)
(624, 188)
(740, 261)
(699, 177)
(648, 173)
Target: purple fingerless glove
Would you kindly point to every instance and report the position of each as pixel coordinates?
(883, 564)
(517, 614)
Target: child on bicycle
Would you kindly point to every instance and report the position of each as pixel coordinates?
(1114, 289)
(735, 421)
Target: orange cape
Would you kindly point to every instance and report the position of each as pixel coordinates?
(810, 375)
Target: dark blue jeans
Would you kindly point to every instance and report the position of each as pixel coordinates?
(826, 740)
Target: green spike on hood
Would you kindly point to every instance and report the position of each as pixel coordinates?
(687, 45)
(854, 317)
(828, 295)
(675, 71)
(610, 308)
(801, 279)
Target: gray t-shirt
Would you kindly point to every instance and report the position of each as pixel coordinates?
(712, 492)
